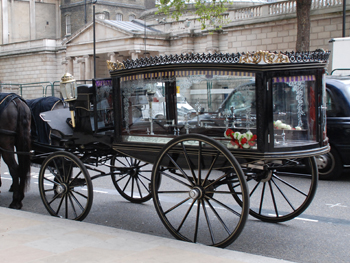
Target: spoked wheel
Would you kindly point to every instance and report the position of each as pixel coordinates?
(131, 177)
(191, 183)
(280, 190)
(65, 186)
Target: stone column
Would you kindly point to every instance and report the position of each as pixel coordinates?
(32, 19)
(81, 62)
(88, 65)
(212, 43)
(5, 23)
(70, 65)
(113, 56)
(187, 45)
(135, 54)
(65, 63)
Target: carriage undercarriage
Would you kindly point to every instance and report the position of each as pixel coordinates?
(203, 176)
(210, 188)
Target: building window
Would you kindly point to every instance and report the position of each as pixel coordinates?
(132, 17)
(68, 25)
(119, 17)
(103, 15)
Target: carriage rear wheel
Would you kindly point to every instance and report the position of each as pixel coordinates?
(65, 186)
(191, 191)
(131, 177)
(280, 189)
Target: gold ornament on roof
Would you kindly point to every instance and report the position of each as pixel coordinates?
(115, 65)
(264, 57)
(67, 78)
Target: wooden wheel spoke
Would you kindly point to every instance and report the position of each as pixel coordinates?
(219, 217)
(175, 179)
(208, 222)
(176, 206)
(290, 185)
(210, 168)
(190, 165)
(186, 215)
(224, 206)
(180, 169)
(284, 196)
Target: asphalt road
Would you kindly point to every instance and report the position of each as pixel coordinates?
(320, 234)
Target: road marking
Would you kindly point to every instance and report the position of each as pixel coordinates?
(336, 205)
(306, 219)
(98, 191)
(300, 218)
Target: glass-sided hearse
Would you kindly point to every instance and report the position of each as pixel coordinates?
(210, 137)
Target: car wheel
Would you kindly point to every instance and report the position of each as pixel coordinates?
(330, 166)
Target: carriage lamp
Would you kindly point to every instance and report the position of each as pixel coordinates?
(68, 87)
(69, 91)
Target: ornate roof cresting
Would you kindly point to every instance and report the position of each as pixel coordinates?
(264, 57)
(115, 65)
(259, 57)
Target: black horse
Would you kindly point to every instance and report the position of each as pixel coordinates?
(15, 123)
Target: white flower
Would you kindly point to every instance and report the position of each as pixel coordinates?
(298, 128)
(249, 135)
(235, 146)
(283, 126)
(288, 127)
(246, 146)
(237, 135)
(278, 122)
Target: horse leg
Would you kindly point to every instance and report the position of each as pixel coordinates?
(18, 195)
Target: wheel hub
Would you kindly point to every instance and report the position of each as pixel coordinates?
(60, 189)
(267, 177)
(195, 193)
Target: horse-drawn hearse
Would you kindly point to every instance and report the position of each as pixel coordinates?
(210, 138)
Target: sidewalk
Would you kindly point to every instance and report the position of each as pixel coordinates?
(28, 237)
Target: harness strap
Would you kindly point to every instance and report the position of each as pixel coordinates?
(7, 132)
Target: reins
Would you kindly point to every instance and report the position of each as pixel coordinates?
(31, 152)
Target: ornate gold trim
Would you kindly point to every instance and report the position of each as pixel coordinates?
(115, 65)
(263, 57)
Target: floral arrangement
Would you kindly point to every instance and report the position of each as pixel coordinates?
(282, 126)
(241, 140)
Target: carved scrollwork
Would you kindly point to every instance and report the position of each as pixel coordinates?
(264, 57)
(259, 57)
(115, 65)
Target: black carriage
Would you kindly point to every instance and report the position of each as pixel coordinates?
(211, 138)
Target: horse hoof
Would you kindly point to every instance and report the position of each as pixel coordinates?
(15, 206)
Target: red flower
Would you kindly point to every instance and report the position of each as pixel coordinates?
(234, 142)
(254, 138)
(251, 143)
(229, 132)
(244, 141)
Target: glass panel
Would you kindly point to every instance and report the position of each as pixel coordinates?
(104, 104)
(218, 103)
(294, 111)
(144, 107)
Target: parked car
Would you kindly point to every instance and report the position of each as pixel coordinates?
(332, 165)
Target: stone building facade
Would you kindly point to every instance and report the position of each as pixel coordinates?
(76, 13)
(270, 26)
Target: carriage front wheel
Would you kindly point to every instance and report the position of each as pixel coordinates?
(191, 187)
(65, 186)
